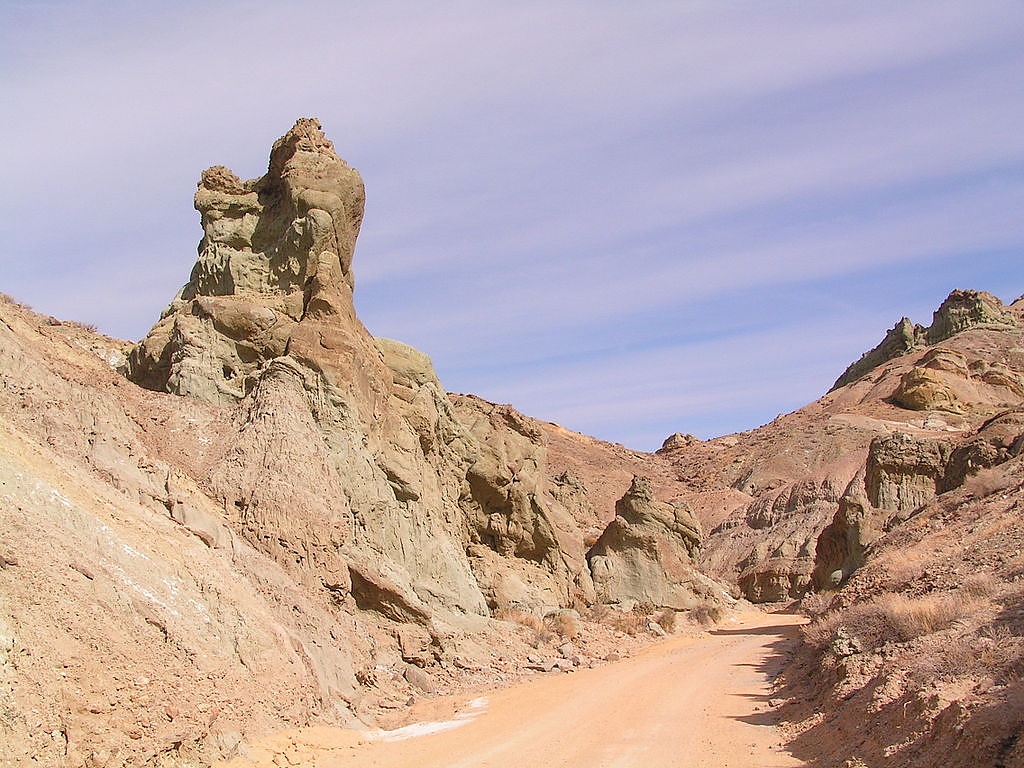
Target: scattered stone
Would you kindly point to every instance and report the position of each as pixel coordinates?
(414, 643)
(420, 679)
(844, 644)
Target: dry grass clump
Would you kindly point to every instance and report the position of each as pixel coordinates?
(913, 617)
(520, 617)
(8, 299)
(666, 620)
(541, 633)
(565, 623)
(628, 622)
(644, 608)
(993, 652)
(80, 325)
(981, 586)
(893, 617)
(707, 613)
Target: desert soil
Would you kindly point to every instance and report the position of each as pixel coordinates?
(685, 701)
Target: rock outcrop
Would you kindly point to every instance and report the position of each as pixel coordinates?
(902, 338)
(647, 553)
(347, 462)
(902, 473)
(514, 510)
(275, 251)
(961, 311)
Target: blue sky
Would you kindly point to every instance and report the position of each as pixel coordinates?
(628, 218)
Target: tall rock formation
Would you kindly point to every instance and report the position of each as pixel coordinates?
(647, 553)
(347, 463)
(350, 463)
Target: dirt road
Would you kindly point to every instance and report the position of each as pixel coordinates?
(683, 702)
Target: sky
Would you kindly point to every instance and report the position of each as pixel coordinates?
(631, 219)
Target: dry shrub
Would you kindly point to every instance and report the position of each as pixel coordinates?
(628, 622)
(894, 618)
(80, 325)
(8, 299)
(982, 586)
(994, 652)
(521, 617)
(816, 604)
(542, 633)
(599, 612)
(707, 613)
(913, 617)
(563, 623)
(644, 608)
(667, 620)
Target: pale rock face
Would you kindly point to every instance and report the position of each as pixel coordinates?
(647, 552)
(348, 461)
(515, 512)
(902, 472)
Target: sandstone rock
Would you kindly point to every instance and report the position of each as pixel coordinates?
(679, 440)
(963, 310)
(420, 679)
(646, 553)
(349, 462)
(997, 440)
(841, 546)
(921, 389)
(774, 581)
(513, 510)
(414, 644)
(902, 338)
(902, 473)
(265, 242)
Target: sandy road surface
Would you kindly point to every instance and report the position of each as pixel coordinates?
(683, 702)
